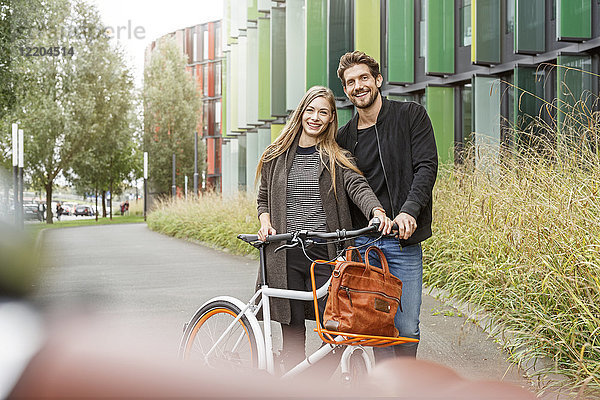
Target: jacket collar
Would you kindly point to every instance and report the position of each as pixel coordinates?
(353, 131)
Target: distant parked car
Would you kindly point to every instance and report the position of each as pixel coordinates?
(84, 210)
(31, 211)
(68, 208)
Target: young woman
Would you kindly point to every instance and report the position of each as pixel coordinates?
(307, 182)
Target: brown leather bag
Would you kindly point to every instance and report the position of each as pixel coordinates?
(363, 298)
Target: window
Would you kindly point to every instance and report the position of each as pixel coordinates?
(217, 118)
(466, 96)
(423, 30)
(217, 79)
(205, 45)
(195, 45)
(576, 88)
(205, 118)
(465, 23)
(510, 16)
(205, 79)
(218, 45)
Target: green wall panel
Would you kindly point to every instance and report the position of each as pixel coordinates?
(264, 139)
(401, 41)
(233, 88)
(251, 159)
(486, 30)
(440, 107)
(241, 164)
(275, 131)
(252, 10)
(576, 90)
(530, 26)
(486, 121)
(295, 64)
(264, 6)
(252, 79)
(529, 95)
(224, 94)
(241, 70)
(264, 69)
(340, 40)
(367, 27)
(440, 37)
(401, 97)
(225, 174)
(316, 43)
(573, 19)
(278, 63)
(344, 115)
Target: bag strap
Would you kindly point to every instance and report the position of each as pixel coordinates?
(382, 259)
(350, 251)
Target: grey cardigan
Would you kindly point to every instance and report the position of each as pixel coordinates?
(271, 198)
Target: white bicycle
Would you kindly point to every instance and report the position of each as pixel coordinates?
(225, 333)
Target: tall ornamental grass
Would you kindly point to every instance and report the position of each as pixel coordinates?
(520, 237)
(209, 219)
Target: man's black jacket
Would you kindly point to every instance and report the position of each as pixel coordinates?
(409, 154)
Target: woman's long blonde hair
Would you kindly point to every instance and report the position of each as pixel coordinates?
(326, 143)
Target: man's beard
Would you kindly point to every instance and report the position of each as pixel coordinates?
(368, 104)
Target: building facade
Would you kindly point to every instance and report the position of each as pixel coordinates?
(202, 45)
(481, 67)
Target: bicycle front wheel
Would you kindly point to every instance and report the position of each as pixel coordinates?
(214, 339)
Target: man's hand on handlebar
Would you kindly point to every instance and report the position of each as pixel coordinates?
(407, 225)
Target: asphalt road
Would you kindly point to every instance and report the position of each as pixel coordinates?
(151, 284)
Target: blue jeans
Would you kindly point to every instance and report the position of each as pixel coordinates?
(405, 263)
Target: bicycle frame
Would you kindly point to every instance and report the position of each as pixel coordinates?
(264, 338)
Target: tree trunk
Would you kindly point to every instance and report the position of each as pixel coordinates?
(96, 213)
(111, 199)
(104, 204)
(49, 210)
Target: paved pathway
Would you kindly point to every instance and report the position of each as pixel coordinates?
(152, 283)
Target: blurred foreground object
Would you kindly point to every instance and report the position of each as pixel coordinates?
(404, 378)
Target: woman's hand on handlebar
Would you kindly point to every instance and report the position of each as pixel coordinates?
(385, 223)
(266, 228)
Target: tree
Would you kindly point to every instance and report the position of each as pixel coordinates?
(17, 21)
(57, 100)
(171, 110)
(111, 126)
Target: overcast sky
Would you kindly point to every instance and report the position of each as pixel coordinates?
(136, 23)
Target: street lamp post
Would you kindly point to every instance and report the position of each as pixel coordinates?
(173, 185)
(145, 183)
(195, 163)
(21, 165)
(15, 163)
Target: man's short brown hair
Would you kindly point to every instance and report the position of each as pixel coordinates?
(354, 58)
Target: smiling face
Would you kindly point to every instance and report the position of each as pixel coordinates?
(316, 117)
(361, 87)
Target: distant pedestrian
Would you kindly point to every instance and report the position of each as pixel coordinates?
(59, 211)
(124, 207)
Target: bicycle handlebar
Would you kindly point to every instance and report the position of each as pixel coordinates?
(341, 234)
